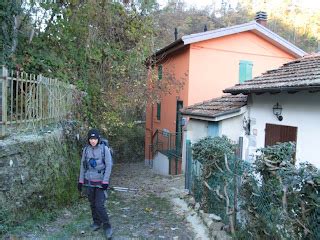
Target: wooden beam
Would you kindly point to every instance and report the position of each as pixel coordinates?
(292, 92)
(314, 91)
(273, 93)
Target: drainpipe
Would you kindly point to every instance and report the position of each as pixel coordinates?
(151, 135)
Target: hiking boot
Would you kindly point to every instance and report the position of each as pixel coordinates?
(108, 232)
(95, 226)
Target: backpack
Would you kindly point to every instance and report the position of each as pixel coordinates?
(104, 142)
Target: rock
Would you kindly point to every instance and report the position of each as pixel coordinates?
(197, 207)
(67, 213)
(205, 218)
(175, 238)
(209, 223)
(226, 228)
(216, 226)
(22, 179)
(221, 235)
(191, 202)
(215, 217)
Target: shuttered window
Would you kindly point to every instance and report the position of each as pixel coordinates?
(213, 129)
(158, 111)
(160, 72)
(279, 133)
(245, 70)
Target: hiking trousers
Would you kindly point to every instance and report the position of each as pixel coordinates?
(97, 199)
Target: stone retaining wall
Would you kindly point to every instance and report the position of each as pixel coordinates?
(38, 170)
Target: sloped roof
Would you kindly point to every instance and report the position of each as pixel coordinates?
(300, 74)
(217, 106)
(257, 28)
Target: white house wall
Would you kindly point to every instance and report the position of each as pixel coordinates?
(301, 110)
(196, 129)
(232, 128)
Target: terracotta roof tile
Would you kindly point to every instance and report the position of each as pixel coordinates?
(300, 74)
(216, 106)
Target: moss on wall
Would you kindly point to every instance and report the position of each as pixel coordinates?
(38, 173)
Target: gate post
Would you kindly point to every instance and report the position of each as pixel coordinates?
(3, 99)
(188, 173)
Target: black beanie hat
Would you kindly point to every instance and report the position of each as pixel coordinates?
(94, 133)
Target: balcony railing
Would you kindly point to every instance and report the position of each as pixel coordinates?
(167, 143)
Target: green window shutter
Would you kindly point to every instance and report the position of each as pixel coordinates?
(160, 72)
(245, 71)
(158, 111)
(213, 129)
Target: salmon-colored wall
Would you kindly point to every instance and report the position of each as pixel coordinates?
(214, 64)
(176, 66)
(207, 68)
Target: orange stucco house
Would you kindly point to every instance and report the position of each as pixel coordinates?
(204, 64)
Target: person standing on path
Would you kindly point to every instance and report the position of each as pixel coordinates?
(95, 170)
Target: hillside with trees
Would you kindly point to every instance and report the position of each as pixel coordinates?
(101, 48)
(297, 25)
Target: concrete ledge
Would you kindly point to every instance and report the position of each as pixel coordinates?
(161, 164)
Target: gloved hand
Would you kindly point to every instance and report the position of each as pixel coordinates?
(104, 186)
(80, 186)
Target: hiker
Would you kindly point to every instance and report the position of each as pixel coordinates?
(95, 171)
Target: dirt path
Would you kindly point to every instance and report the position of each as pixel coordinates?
(154, 212)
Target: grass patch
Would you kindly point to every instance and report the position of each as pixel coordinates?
(66, 223)
(34, 223)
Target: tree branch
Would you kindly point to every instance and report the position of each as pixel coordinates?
(14, 34)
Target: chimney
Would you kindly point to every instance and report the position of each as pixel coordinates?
(205, 28)
(261, 18)
(175, 33)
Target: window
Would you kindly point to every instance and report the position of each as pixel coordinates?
(213, 129)
(279, 134)
(158, 111)
(245, 71)
(160, 72)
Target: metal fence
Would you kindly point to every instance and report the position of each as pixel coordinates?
(27, 100)
(167, 143)
(283, 206)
